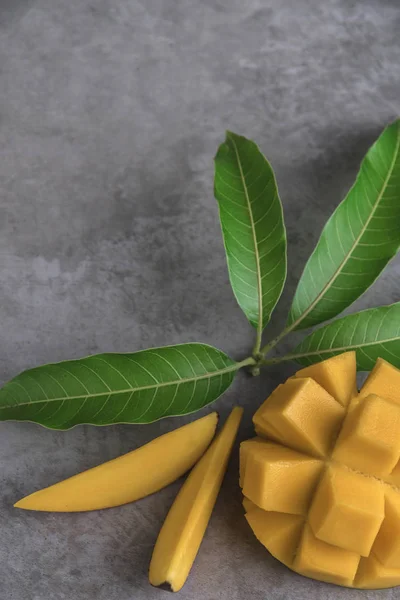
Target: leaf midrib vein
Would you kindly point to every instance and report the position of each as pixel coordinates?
(258, 271)
(234, 367)
(345, 348)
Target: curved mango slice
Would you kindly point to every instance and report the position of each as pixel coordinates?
(185, 525)
(131, 476)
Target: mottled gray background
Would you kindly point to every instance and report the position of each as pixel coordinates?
(110, 114)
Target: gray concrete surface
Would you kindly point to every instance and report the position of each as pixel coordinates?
(110, 114)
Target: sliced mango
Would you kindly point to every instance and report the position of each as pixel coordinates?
(372, 574)
(183, 530)
(129, 477)
(370, 437)
(278, 532)
(245, 447)
(337, 375)
(347, 510)
(305, 417)
(279, 479)
(329, 465)
(384, 381)
(387, 543)
(320, 560)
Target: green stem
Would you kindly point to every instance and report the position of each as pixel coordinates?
(257, 345)
(246, 362)
(268, 347)
(277, 360)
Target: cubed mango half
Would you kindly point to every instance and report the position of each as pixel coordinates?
(322, 479)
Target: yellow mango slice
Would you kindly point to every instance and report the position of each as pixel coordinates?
(278, 532)
(384, 381)
(183, 530)
(337, 375)
(347, 510)
(320, 560)
(131, 476)
(324, 486)
(305, 416)
(370, 437)
(279, 479)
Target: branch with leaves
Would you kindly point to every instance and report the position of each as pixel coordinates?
(358, 241)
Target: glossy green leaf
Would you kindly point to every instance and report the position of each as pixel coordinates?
(371, 333)
(359, 239)
(119, 388)
(252, 226)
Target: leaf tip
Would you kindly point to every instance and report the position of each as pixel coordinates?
(231, 136)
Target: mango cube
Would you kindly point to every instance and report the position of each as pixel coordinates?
(384, 381)
(387, 543)
(278, 532)
(347, 510)
(244, 452)
(370, 437)
(372, 574)
(279, 479)
(264, 428)
(320, 560)
(305, 416)
(337, 375)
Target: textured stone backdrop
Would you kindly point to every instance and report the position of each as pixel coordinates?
(110, 114)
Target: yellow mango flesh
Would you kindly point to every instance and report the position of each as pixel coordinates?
(319, 560)
(302, 411)
(384, 381)
(322, 490)
(336, 375)
(369, 440)
(277, 531)
(245, 447)
(248, 505)
(183, 530)
(131, 476)
(279, 479)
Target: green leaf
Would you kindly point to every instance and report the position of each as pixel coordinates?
(359, 239)
(252, 226)
(371, 333)
(119, 388)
